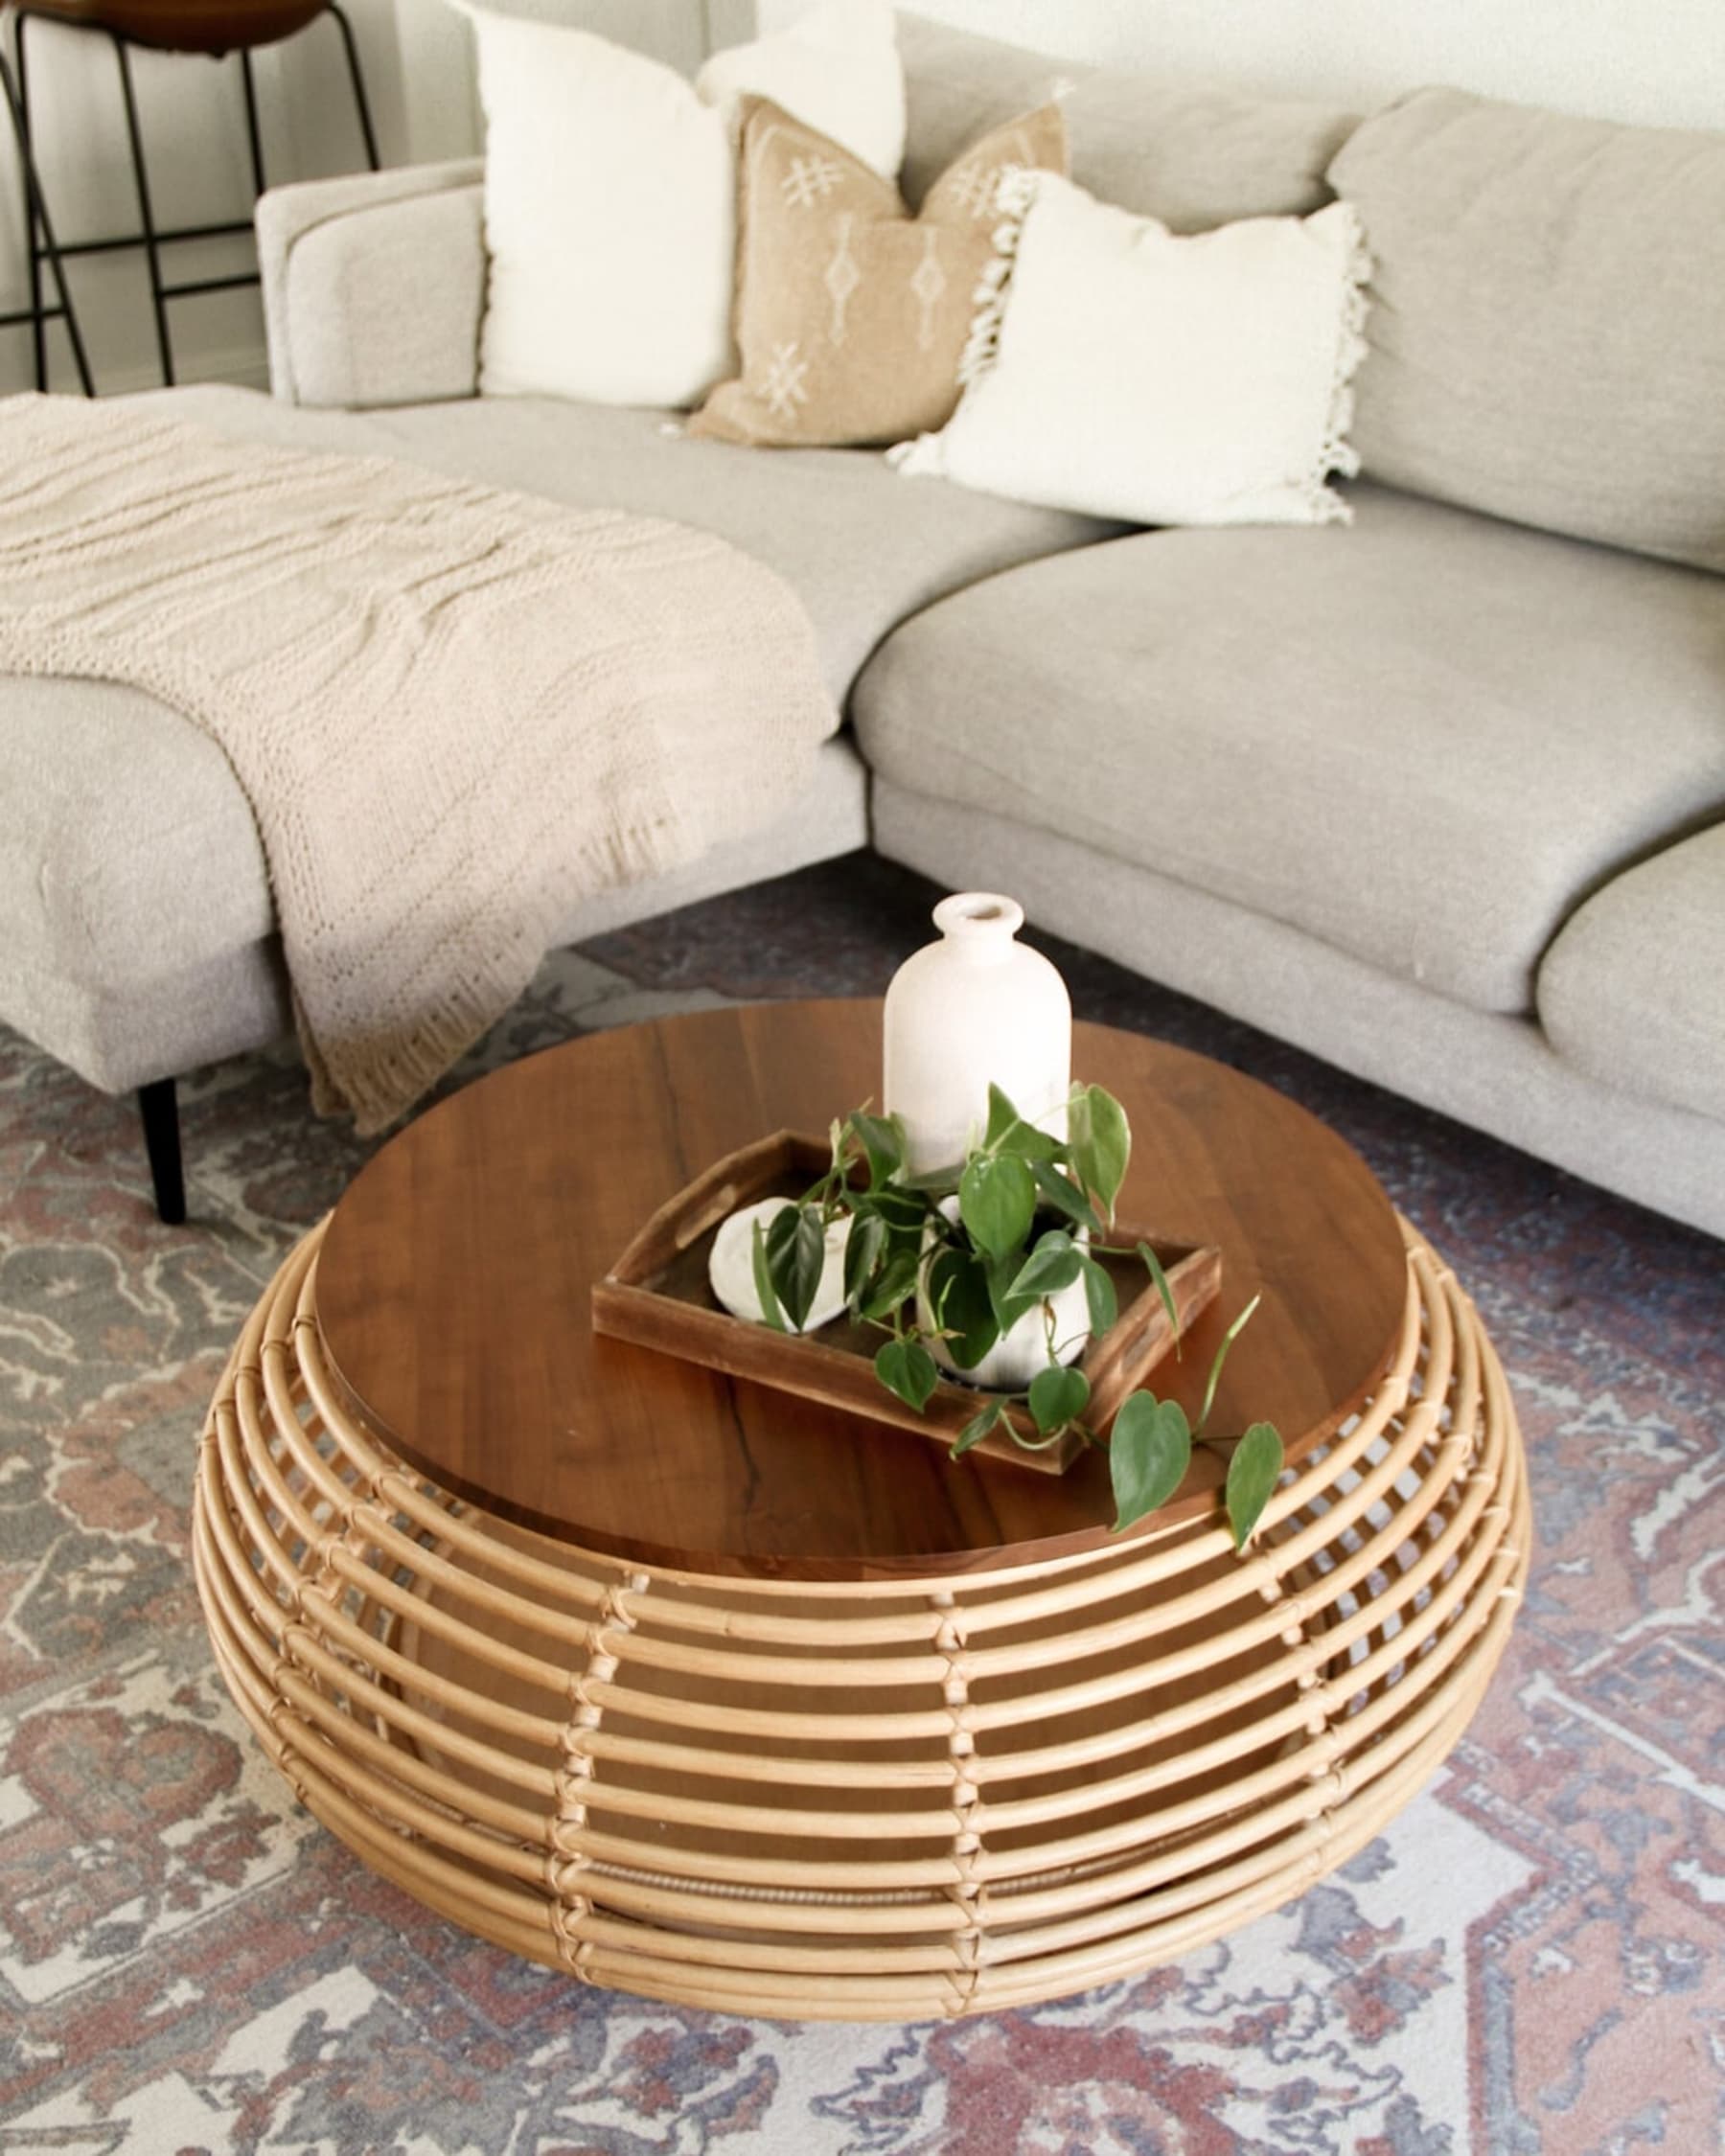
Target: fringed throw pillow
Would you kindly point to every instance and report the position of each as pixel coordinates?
(851, 313)
(1126, 371)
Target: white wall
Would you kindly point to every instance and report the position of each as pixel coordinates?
(443, 110)
(1659, 61)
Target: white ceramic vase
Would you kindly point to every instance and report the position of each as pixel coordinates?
(974, 1009)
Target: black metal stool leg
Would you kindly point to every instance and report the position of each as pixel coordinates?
(159, 1105)
(357, 79)
(38, 324)
(39, 240)
(151, 246)
(253, 136)
(42, 245)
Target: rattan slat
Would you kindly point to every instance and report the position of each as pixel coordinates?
(882, 1799)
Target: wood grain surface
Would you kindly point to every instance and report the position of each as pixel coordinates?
(453, 1294)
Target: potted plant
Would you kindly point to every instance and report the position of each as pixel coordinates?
(991, 1269)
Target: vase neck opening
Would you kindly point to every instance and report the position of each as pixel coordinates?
(982, 921)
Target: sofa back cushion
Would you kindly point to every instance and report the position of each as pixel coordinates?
(1193, 157)
(1548, 333)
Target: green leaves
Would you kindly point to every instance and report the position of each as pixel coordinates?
(933, 1272)
(1253, 1474)
(1062, 1195)
(1008, 1131)
(795, 1258)
(1229, 1338)
(1148, 1455)
(764, 1292)
(1008, 1308)
(904, 1212)
(1002, 1117)
(1153, 1265)
(1098, 1142)
(1151, 1446)
(882, 1138)
(978, 1427)
(1054, 1264)
(906, 1369)
(997, 1203)
(958, 1292)
(1099, 1297)
(864, 1250)
(1151, 1449)
(892, 1287)
(1058, 1395)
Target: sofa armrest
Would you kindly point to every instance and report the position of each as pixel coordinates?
(374, 285)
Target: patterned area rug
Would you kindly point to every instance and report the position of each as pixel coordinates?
(1527, 1962)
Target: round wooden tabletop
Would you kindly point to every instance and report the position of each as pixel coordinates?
(452, 1296)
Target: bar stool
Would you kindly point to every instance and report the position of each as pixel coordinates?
(213, 28)
(39, 314)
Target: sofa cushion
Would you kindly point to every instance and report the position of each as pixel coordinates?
(1549, 318)
(859, 548)
(127, 847)
(1191, 154)
(1633, 990)
(1251, 712)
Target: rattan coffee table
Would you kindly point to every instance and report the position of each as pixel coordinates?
(688, 1688)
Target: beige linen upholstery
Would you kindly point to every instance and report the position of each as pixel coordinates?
(851, 315)
(1373, 733)
(1633, 990)
(1193, 155)
(1495, 1072)
(858, 545)
(1548, 337)
(373, 285)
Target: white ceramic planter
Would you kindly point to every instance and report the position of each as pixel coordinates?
(1012, 1362)
(731, 1267)
(974, 1009)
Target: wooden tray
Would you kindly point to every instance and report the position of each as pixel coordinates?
(658, 1294)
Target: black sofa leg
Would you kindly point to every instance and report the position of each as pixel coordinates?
(159, 1106)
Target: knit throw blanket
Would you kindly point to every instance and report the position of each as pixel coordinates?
(455, 712)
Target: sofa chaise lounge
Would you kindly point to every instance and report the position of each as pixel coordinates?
(1438, 795)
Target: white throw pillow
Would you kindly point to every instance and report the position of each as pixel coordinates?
(610, 194)
(1124, 372)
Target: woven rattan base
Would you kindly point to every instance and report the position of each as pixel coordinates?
(866, 1799)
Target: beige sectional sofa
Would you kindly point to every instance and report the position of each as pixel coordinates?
(1438, 795)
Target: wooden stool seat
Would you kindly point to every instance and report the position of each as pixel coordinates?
(187, 26)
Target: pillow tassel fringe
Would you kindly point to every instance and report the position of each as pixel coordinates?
(1014, 195)
(1336, 453)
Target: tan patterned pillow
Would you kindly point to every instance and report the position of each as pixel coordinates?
(852, 314)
